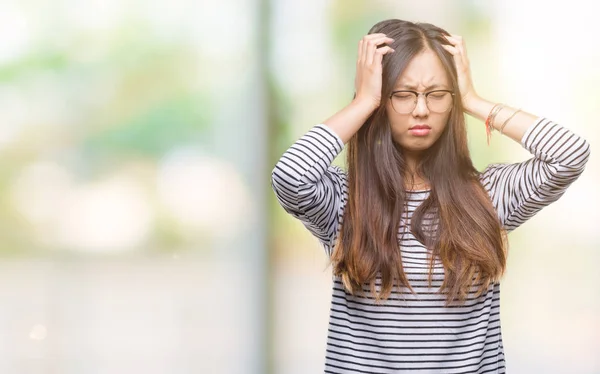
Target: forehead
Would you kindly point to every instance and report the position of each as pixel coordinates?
(425, 70)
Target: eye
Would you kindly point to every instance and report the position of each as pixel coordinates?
(437, 95)
(404, 96)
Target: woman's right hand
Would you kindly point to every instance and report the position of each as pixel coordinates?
(348, 121)
(369, 69)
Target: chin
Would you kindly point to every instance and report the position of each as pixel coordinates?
(417, 147)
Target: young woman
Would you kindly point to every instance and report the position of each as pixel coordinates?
(416, 235)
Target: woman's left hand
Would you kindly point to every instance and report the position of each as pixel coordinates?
(458, 50)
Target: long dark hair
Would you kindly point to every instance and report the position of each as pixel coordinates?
(467, 236)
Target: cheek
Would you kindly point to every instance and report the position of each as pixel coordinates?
(440, 121)
(444, 122)
(397, 121)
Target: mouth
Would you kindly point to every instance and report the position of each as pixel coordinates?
(419, 130)
(420, 127)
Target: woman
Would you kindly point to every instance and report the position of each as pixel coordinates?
(416, 235)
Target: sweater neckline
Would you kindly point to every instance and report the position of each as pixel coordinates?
(418, 191)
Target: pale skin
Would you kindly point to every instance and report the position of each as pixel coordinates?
(419, 75)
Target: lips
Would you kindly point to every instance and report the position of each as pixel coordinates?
(419, 130)
(420, 127)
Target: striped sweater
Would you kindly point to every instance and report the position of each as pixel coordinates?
(416, 331)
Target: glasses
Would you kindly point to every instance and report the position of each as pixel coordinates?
(405, 101)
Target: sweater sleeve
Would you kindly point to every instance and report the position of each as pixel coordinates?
(308, 187)
(520, 190)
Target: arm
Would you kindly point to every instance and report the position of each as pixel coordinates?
(304, 182)
(308, 187)
(514, 129)
(518, 191)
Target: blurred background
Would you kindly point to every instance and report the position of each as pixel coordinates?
(139, 232)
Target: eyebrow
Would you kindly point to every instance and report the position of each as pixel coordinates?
(411, 87)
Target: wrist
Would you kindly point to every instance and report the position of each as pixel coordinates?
(478, 107)
(470, 103)
(365, 106)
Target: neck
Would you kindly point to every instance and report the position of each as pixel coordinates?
(413, 180)
(412, 159)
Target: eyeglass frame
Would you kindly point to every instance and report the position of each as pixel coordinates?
(418, 94)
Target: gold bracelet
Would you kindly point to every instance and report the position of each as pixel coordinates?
(497, 109)
(508, 119)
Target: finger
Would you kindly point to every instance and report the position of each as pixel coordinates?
(373, 45)
(459, 39)
(383, 39)
(456, 55)
(462, 47)
(361, 53)
(383, 50)
(380, 52)
(459, 43)
(456, 52)
(374, 36)
(450, 39)
(451, 49)
(365, 51)
(455, 38)
(379, 42)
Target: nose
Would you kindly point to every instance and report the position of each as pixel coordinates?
(421, 109)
